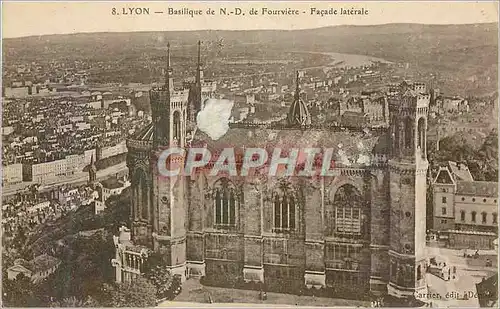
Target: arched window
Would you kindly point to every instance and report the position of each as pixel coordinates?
(484, 215)
(421, 136)
(141, 192)
(495, 218)
(462, 215)
(177, 125)
(419, 272)
(408, 133)
(473, 216)
(284, 203)
(350, 215)
(225, 203)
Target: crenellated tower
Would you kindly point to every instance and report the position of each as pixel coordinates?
(168, 111)
(157, 201)
(169, 108)
(407, 191)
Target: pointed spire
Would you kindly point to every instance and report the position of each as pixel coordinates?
(199, 53)
(167, 73)
(297, 86)
(298, 113)
(199, 69)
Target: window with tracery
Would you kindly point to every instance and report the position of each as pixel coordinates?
(225, 201)
(284, 204)
(350, 216)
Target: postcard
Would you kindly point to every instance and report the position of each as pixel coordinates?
(250, 154)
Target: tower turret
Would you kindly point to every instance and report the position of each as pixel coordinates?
(298, 115)
(168, 111)
(199, 67)
(407, 172)
(195, 92)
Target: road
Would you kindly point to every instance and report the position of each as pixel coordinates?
(74, 180)
(451, 292)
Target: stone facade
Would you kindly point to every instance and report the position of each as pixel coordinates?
(359, 230)
(461, 203)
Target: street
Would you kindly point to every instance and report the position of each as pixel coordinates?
(451, 293)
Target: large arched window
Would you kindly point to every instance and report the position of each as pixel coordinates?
(141, 192)
(177, 125)
(284, 203)
(225, 203)
(408, 127)
(351, 217)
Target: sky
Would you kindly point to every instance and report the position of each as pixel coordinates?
(40, 18)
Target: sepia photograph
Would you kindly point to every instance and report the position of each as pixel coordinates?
(249, 154)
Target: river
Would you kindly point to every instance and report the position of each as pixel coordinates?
(340, 60)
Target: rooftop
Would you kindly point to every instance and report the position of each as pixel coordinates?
(112, 183)
(40, 263)
(460, 171)
(478, 188)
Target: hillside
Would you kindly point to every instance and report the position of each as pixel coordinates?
(454, 52)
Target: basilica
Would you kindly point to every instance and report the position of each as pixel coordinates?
(360, 228)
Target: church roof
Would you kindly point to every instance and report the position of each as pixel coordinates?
(477, 188)
(145, 134)
(348, 146)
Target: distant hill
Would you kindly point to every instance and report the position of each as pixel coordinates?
(453, 51)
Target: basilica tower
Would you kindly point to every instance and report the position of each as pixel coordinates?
(169, 109)
(157, 201)
(407, 191)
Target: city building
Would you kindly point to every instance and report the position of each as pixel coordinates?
(108, 188)
(360, 230)
(12, 174)
(464, 209)
(37, 269)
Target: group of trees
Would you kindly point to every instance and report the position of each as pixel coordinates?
(482, 160)
(84, 244)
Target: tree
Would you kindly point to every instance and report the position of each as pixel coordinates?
(481, 156)
(155, 270)
(117, 211)
(139, 293)
(158, 274)
(18, 292)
